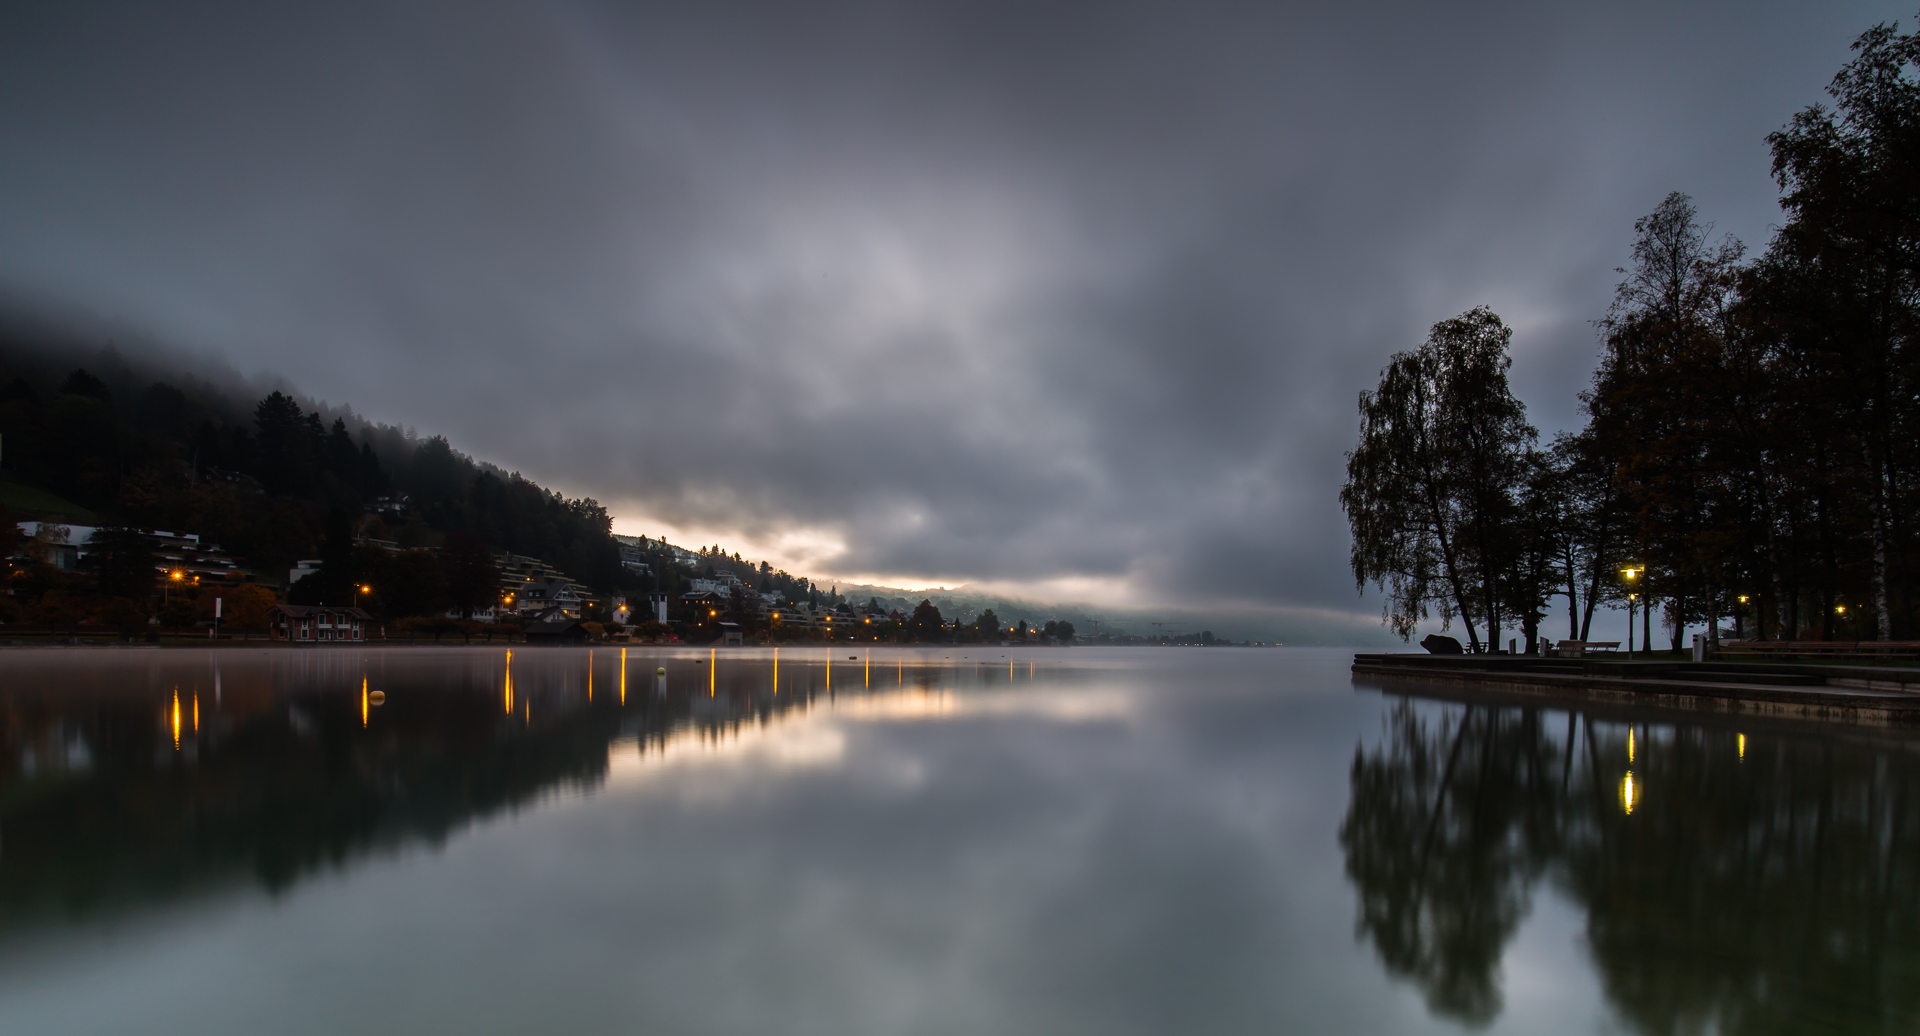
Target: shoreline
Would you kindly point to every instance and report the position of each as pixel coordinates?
(1864, 695)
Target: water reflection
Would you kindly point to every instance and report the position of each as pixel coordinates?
(1732, 880)
(294, 769)
(1107, 842)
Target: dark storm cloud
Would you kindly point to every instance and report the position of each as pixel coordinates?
(999, 293)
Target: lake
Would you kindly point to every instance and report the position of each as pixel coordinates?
(965, 840)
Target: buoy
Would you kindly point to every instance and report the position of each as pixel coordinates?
(854, 657)
(662, 671)
(377, 697)
(697, 661)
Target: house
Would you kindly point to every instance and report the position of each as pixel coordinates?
(490, 613)
(559, 632)
(521, 575)
(722, 583)
(807, 615)
(633, 558)
(184, 561)
(317, 624)
(729, 635)
(538, 595)
(639, 552)
(180, 558)
(705, 604)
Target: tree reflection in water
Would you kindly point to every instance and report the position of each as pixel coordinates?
(127, 784)
(1750, 884)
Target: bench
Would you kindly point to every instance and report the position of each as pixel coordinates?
(1578, 648)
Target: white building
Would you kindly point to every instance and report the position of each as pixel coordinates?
(64, 545)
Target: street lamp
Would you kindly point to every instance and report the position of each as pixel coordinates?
(1631, 574)
(1739, 619)
(173, 577)
(358, 590)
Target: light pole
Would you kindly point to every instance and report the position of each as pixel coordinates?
(1630, 599)
(1630, 574)
(1740, 619)
(172, 577)
(358, 590)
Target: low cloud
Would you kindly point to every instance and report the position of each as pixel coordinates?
(1034, 297)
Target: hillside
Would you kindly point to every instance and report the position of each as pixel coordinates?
(89, 435)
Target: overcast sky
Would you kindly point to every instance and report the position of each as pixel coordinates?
(1069, 300)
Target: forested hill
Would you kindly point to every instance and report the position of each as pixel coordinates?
(256, 469)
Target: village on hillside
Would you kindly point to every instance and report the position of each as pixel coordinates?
(131, 510)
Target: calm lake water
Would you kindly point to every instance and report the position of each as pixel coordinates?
(929, 841)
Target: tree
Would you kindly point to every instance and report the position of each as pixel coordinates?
(1537, 571)
(1850, 183)
(9, 533)
(741, 609)
(123, 562)
(80, 383)
(246, 607)
(1657, 399)
(988, 625)
(338, 577)
(473, 581)
(926, 622)
(177, 613)
(128, 618)
(284, 450)
(1430, 489)
(414, 585)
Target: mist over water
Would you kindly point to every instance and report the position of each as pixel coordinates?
(926, 840)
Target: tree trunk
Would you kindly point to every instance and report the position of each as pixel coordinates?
(1593, 596)
(1876, 508)
(1679, 615)
(1459, 588)
(1710, 604)
(1573, 598)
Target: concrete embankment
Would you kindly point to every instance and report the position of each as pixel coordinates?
(1850, 694)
